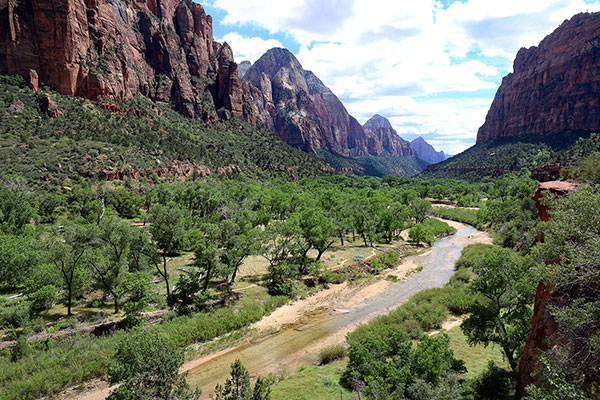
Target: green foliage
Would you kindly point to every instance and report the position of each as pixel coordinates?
(466, 215)
(146, 364)
(568, 258)
(438, 228)
(238, 387)
(15, 207)
(503, 309)
(420, 234)
(44, 298)
(331, 353)
(385, 362)
(18, 260)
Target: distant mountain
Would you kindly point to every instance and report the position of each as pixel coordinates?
(295, 105)
(426, 152)
(243, 67)
(383, 138)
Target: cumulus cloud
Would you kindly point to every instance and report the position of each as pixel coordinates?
(249, 48)
(394, 57)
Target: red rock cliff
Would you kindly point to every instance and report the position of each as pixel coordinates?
(554, 87)
(382, 137)
(102, 49)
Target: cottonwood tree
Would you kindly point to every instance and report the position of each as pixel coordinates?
(109, 260)
(147, 364)
(167, 233)
(502, 312)
(66, 253)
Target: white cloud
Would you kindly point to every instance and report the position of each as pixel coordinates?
(392, 57)
(249, 48)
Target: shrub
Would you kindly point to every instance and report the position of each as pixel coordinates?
(44, 298)
(331, 353)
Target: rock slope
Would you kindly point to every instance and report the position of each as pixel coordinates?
(381, 138)
(294, 104)
(162, 49)
(426, 152)
(554, 87)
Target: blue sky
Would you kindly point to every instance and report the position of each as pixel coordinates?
(431, 66)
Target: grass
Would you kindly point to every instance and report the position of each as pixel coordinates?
(465, 215)
(331, 353)
(476, 358)
(313, 383)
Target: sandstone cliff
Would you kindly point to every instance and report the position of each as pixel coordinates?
(554, 87)
(98, 49)
(381, 138)
(426, 152)
(299, 108)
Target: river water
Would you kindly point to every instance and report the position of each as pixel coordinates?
(286, 350)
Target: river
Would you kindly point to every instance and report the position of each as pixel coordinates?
(298, 344)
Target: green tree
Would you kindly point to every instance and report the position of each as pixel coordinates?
(419, 208)
(67, 253)
(420, 234)
(18, 258)
(238, 387)
(502, 311)
(168, 234)
(109, 261)
(15, 208)
(146, 364)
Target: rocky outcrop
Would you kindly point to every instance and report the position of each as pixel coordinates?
(544, 328)
(554, 87)
(162, 49)
(243, 67)
(299, 108)
(426, 152)
(382, 138)
(177, 170)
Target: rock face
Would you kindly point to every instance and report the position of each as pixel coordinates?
(554, 87)
(544, 327)
(381, 138)
(99, 49)
(243, 67)
(298, 107)
(426, 152)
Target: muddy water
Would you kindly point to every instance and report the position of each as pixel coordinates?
(286, 350)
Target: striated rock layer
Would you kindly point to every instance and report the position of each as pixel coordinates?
(298, 107)
(554, 87)
(100, 49)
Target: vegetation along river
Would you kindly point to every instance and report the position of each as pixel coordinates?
(298, 344)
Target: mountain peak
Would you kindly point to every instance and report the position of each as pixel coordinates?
(376, 122)
(427, 152)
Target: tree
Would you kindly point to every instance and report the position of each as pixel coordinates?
(168, 233)
(239, 239)
(18, 258)
(109, 261)
(316, 229)
(420, 234)
(67, 256)
(419, 208)
(146, 364)
(238, 387)
(502, 311)
(207, 260)
(15, 208)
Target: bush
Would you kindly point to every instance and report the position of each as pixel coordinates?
(16, 316)
(332, 353)
(420, 234)
(44, 298)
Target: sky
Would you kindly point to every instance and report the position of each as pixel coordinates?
(432, 67)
